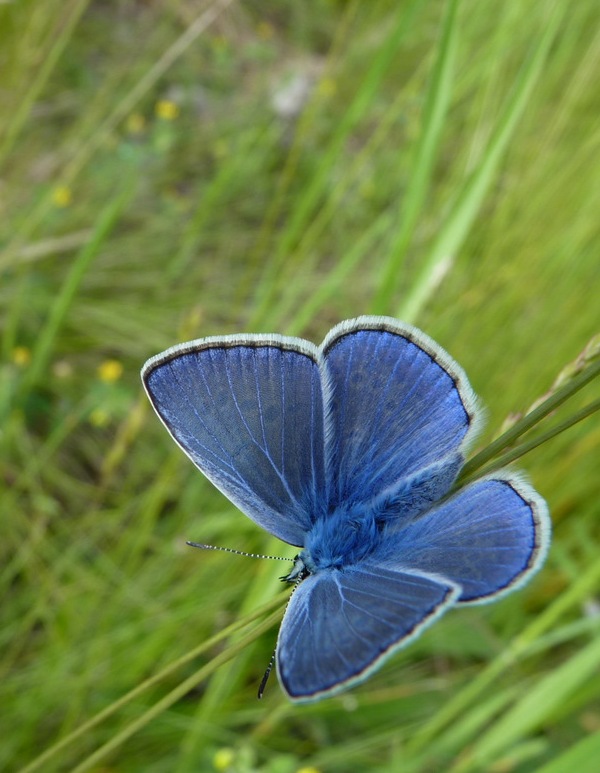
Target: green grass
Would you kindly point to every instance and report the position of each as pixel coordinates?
(443, 169)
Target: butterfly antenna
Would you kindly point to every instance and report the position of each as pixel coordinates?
(237, 552)
(267, 674)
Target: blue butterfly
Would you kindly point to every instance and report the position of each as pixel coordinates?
(348, 451)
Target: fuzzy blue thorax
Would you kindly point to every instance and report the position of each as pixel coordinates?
(340, 538)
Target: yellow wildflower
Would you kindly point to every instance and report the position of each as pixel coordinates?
(110, 371)
(223, 759)
(21, 356)
(167, 109)
(62, 196)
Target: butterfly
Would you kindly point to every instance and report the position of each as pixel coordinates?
(349, 451)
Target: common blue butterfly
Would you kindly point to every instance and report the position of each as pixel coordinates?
(348, 451)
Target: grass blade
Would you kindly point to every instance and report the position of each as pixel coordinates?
(104, 224)
(436, 106)
(583, 757)
(531, 419)
(471, 198)
(535, 708)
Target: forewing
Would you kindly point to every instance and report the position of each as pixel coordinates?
(340, 625)
(399, 409)
(248, 411)
(489, 538)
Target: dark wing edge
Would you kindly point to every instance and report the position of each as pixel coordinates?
(470, 401)
(288, 533)
(451, 593)
(542, 525)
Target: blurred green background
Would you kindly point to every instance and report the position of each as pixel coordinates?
(171, 169)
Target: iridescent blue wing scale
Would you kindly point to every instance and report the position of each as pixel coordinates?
(400, 412)
(340, 625)
(372, 424)
(489, 538)
(248, 411)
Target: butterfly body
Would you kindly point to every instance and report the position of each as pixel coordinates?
(349, 451)
(341, 538)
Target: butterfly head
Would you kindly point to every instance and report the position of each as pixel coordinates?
(299, 571)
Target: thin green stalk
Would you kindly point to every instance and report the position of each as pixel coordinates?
(307, 252)
(525, 448)
(223, 683)
(179, 692)
(571, 597)
(583, 757)
(121, 110)
(274, 212)
(335, 278)
(252, 144)
(67, 25)
(308, 202)
(143, 86)
(472, 196)
(426, 152)
(530, 420)
(202, 673)
(527, 714)
(102, 227)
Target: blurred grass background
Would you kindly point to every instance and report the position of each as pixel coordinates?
(171, 169)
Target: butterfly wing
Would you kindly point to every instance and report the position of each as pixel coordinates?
(248, 411)
(399, 412)
(340, 626)
(488, 538)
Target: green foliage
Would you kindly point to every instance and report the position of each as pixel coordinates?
(175, 170)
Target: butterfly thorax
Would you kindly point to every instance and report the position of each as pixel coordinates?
(340, 538)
